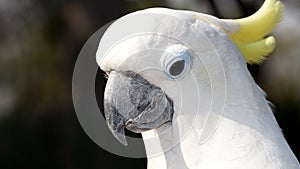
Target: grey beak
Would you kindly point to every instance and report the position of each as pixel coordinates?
(131, 102)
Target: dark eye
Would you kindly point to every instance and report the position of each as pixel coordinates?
(177, 60)
(177, 68)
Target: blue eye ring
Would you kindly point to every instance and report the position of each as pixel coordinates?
(176, 60)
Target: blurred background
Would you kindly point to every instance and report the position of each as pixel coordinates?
(39, 44)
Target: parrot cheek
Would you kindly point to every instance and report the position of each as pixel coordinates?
(131, 102)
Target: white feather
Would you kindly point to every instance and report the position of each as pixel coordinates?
(239, 129)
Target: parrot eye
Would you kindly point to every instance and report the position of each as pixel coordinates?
(177, 60)
(176, 68)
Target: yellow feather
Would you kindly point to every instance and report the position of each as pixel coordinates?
(250, 38)
(255, 52)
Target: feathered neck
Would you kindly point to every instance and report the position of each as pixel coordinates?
(247, 136)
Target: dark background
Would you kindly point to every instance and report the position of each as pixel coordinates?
(39, 44)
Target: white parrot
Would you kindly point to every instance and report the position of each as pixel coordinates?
(180, 78)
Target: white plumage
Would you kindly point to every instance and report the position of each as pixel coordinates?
(221, 119)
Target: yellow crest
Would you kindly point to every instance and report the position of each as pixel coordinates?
(250, 34)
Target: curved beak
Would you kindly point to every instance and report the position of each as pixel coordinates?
(131, 102)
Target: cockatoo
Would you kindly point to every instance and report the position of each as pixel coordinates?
(180, 78)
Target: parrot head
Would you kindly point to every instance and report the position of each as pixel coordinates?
(164, 65)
